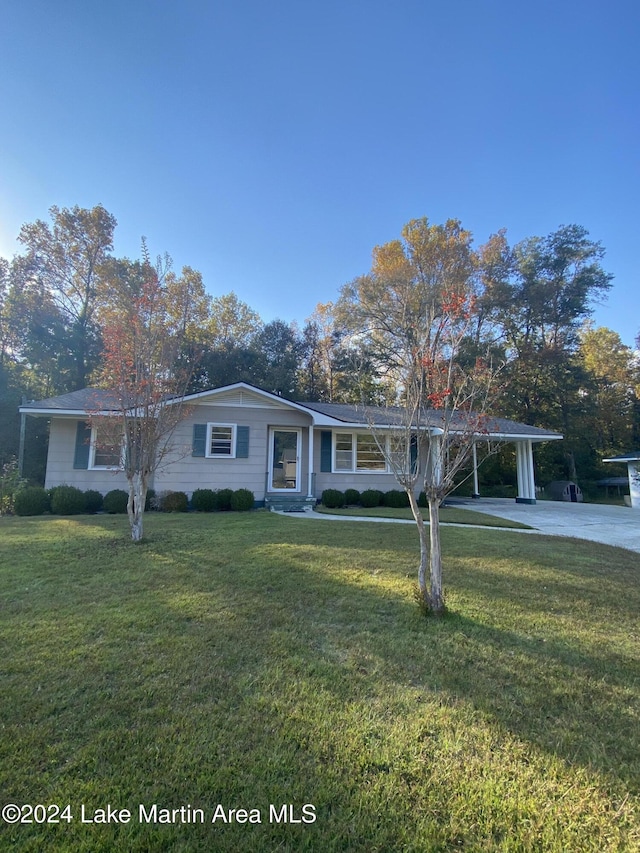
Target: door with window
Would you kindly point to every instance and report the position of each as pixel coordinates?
(284, 460)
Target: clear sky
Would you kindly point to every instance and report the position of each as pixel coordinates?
(271, 144)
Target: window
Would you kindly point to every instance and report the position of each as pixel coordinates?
(368, 456)
(221, 440)
(344, 451)
(106, 452)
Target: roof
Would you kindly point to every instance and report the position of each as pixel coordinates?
(86, 400)
(626, 457)
(75, 402)
(388, 416)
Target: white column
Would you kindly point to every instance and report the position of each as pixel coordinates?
(528, 449)
(524, 468)
(435, 460)
(519, 472)
(310, 472)
(633, 469)
(476, 489)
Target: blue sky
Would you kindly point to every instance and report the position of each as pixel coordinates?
(272, 145)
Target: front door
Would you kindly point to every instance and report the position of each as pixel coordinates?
(284, 460)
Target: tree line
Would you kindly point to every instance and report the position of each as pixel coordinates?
(61, 295)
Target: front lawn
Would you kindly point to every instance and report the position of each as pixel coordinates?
(448, 515)
(256, 661)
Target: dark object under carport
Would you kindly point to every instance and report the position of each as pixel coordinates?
(564, 490)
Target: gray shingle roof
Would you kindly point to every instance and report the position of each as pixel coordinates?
(381, 416)
(85, 400)
(98, 399)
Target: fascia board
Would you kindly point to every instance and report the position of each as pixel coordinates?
(65, 413)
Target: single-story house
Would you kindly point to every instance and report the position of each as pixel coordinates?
(240, 436)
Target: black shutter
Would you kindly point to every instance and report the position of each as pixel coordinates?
(199, 440)
(83, 445)
(242, 442)
(325, 451)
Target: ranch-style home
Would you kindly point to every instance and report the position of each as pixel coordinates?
(240, 436)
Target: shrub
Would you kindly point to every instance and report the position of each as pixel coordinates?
(333, 498)
(203, 500)
(150, 500)
(242, 500)
(371, 498)
(67, 500)
(92, 501)
(10, 483)
(115, 501)
(174, 502)
(33, 500)
(395, 498)
(223, 500)
(422, 499)
(351, 496)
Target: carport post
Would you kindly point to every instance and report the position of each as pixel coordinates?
(524, 470)
(476, 489)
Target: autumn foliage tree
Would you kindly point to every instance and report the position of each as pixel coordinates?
(417, 310)
(140, 369)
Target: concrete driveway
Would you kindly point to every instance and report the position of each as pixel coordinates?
(612, 525)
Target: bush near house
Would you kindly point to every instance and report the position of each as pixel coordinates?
(93, 501)
(395, 498)
(223, 500)
(242, 500)
(371, 498)
(33, 500)
(67, 500)
(203, 500)
(351, 497)
(333, 498)
(174, 502)
(10, 483)
(115, 501)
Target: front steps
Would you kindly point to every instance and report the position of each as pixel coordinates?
(289, 503)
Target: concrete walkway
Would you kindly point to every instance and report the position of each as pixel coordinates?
(611, 525)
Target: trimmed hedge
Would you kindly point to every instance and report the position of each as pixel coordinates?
(351, 497)
(371, 498)
(115, 501)
(242, 500)
(223, 500)
(174, 502)
(203, 500)
(92, 501)
(395, 498)
(34, 500)
(67, 500)
(333, 498)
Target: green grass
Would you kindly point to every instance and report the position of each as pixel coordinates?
(448, 515)
(252, 659)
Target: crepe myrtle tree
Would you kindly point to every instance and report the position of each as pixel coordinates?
(141, 371)
(418, 311)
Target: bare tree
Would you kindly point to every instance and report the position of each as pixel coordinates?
(140, 370)
(417, 310)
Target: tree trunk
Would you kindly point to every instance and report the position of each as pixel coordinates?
(436, 595)
(424, 547)
(135, 506)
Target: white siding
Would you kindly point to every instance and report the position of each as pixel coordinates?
(187, 473)
(60, 470)
(360, 480)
